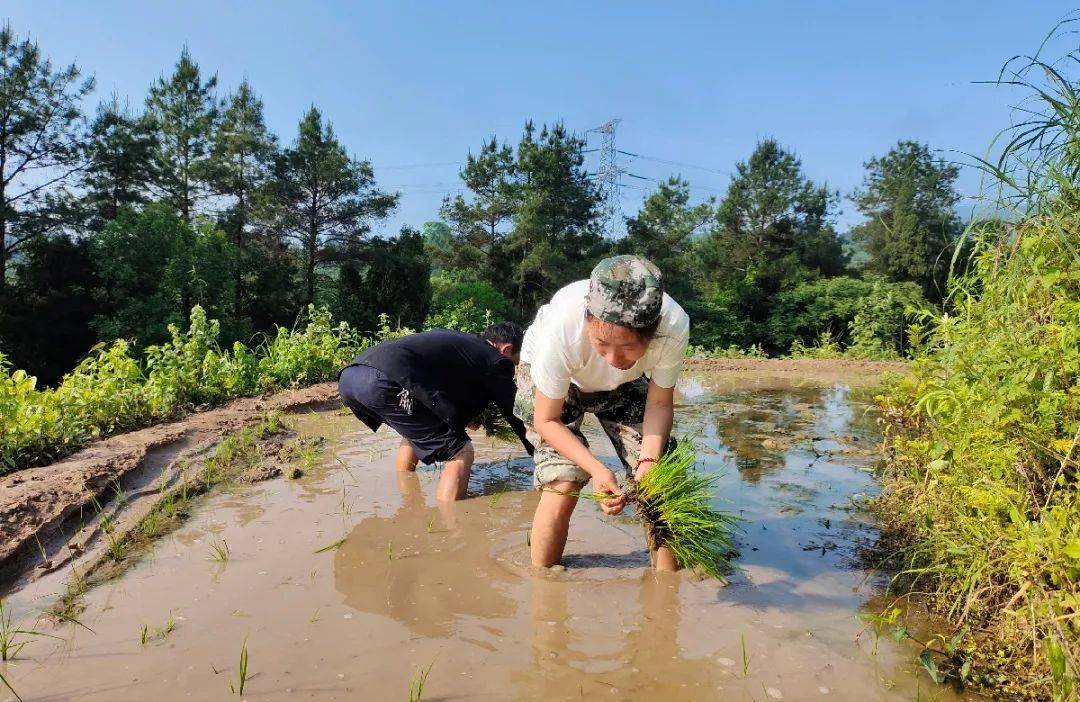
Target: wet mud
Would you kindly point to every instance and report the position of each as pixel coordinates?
(351, 581)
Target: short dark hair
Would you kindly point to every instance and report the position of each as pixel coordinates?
(505, 333)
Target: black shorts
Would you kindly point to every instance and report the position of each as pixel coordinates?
(376, 399)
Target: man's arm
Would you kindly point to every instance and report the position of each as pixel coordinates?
(656, 429)
(502, 390)
(547, 413)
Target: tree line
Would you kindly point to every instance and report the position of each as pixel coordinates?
(114, 224)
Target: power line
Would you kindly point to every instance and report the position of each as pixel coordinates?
(675, 163)
(416, 165)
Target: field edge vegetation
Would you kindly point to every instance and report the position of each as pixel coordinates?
(979, 502)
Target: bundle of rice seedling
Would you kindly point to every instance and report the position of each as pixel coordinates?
(495, 425)
(673, 500)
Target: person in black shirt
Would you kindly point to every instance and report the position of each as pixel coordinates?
(430, 387)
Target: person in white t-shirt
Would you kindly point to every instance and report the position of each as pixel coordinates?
(612, 345)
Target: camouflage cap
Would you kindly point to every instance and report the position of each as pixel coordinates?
(626, 290)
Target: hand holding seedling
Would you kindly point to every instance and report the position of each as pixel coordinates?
(604, 483)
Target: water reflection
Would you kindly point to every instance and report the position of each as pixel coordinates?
(586, 644)
(427, 567)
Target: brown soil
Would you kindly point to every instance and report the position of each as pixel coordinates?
(35, 503)
(351, 581)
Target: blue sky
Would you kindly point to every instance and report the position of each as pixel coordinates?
(698, 83)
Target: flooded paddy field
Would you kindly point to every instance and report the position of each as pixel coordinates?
(352, 582)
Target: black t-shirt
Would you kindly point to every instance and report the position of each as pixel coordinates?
(454, 374)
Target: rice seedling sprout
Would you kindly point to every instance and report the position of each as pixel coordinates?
(330, 547)
(242, 671)
(219, 551)
(419, 680)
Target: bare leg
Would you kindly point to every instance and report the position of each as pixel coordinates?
(663, 559)
(551, 522)
(406, 457)
(412, 495)
(455, 475)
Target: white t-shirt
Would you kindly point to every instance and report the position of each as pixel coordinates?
(558, 351)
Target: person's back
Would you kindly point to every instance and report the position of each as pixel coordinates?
(449, 371)
(429, 387)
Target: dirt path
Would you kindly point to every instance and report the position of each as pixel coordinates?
(35, 503)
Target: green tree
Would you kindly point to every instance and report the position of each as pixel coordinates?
(909, 200)
(154, 267)
(323, 200)
(239, 168)
(439, 244)
(41, 141)
(45, 321)
(556, 238)
(183, 111)
(664, 231)
(389, 276)
(482, 222)
(773, 229)
(119, 162)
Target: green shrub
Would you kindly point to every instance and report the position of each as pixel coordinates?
(466, 305)
(981, 487)
(111, 391)
(866, 317)
(753, 351)
(825, 346)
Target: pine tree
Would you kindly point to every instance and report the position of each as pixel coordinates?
(556, 236)
(773, 229)
(183, 112)
(909, 201)
(119, 162)
(239, 168)
(481, 223)
(41, 143)
(664, 231)
(322, 199)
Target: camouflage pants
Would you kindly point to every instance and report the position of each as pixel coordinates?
(621, 412)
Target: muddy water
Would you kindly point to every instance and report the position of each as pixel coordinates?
(415, 585)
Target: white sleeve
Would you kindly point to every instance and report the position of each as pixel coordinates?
(666, 371)
(550, 370)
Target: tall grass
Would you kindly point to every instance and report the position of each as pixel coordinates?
(112, 390)
(980, 493)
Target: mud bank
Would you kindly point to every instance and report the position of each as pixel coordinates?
(36, 503)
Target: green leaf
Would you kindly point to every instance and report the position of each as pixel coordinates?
(1072, 550)
(927, 660)
(899, 634)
